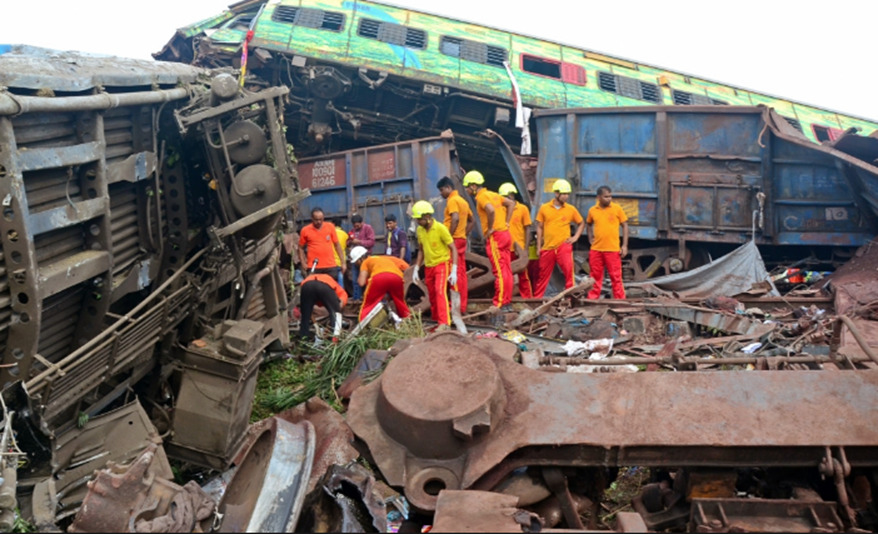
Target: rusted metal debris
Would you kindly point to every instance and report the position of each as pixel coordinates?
(134, 499)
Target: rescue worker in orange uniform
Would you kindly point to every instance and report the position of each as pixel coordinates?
(519, 229)
(604, 220)
(320, 289)
(437, 253)
(381, 275)
(495, 212)
(553, 236)
(459, 221)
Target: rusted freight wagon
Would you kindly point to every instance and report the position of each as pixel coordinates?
(705, 174)
(378, 181)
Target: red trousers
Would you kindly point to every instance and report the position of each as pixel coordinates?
(384, 284)
(500, 255)
(612, 261)
(525, 289)
(462, 284)
(533, 274)
(563, 258)
(436, 279)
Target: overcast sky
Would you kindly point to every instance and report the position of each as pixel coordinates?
(819, 53)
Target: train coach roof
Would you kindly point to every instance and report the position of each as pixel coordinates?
(28, 67)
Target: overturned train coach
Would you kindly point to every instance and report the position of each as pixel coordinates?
(141, 209)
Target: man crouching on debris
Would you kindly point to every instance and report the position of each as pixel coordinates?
(324, 290)
(604, 219)
(437, 253)
(381, 275)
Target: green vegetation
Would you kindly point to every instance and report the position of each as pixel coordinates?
(285, 383)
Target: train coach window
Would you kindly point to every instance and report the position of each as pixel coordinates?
(682, 98)
(391, 33)
(550, 68)
(793, 122)
(309, 18)
(472, 51)
(825, 133)
(629, 87)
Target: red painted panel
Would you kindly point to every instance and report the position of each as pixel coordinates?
(382, 166)
(323, 173)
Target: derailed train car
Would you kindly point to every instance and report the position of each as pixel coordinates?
(141, 209)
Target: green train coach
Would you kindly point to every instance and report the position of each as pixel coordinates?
(364, 72)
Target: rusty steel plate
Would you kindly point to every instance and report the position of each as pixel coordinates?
(414, 418)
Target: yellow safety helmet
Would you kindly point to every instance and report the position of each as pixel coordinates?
(421, 208)
(561, 186)
(507, 189)
(473, 177)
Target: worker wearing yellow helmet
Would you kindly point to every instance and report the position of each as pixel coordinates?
(459, 221)
(436, 252)
(495, 212)
(553, 236)
(520, 230)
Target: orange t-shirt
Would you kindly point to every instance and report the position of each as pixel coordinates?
(556, 223)
(331, 282)
(319, 245)
(520, 220)
(383, 264)
(456, 204)
(606, 223)
(485, 197)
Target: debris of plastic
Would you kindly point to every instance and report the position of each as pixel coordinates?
(597, 348)
(216, 486)
(752, 347)
(514, 336)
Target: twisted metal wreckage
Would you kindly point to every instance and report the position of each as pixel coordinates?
(141, 288)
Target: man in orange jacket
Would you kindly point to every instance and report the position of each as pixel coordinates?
(604, 220)
(381, 275)
(553, 236)
(519, 227)
(494, 212)
(459, 221)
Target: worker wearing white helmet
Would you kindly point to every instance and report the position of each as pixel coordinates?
(495, 212)
(437, 253)
(381, 275)
(519, 230)
(553, 236)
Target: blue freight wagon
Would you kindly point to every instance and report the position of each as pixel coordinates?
(378, 181)
(698, 174)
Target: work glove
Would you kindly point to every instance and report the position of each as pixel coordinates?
(452, 278)
(415, 276)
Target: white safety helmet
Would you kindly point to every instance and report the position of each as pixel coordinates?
(358, 253)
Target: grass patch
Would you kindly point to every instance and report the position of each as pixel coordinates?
(286, 383)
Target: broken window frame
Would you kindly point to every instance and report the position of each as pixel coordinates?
(825, 133)
(494, 55)
(413, 38)
(625, 86)
(567, 72)
(298, 16)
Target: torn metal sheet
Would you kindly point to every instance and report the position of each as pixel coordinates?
(118, 437)
(268, 489)
(730, 323)
(132, 499)
(732, 274)
(448, 411)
